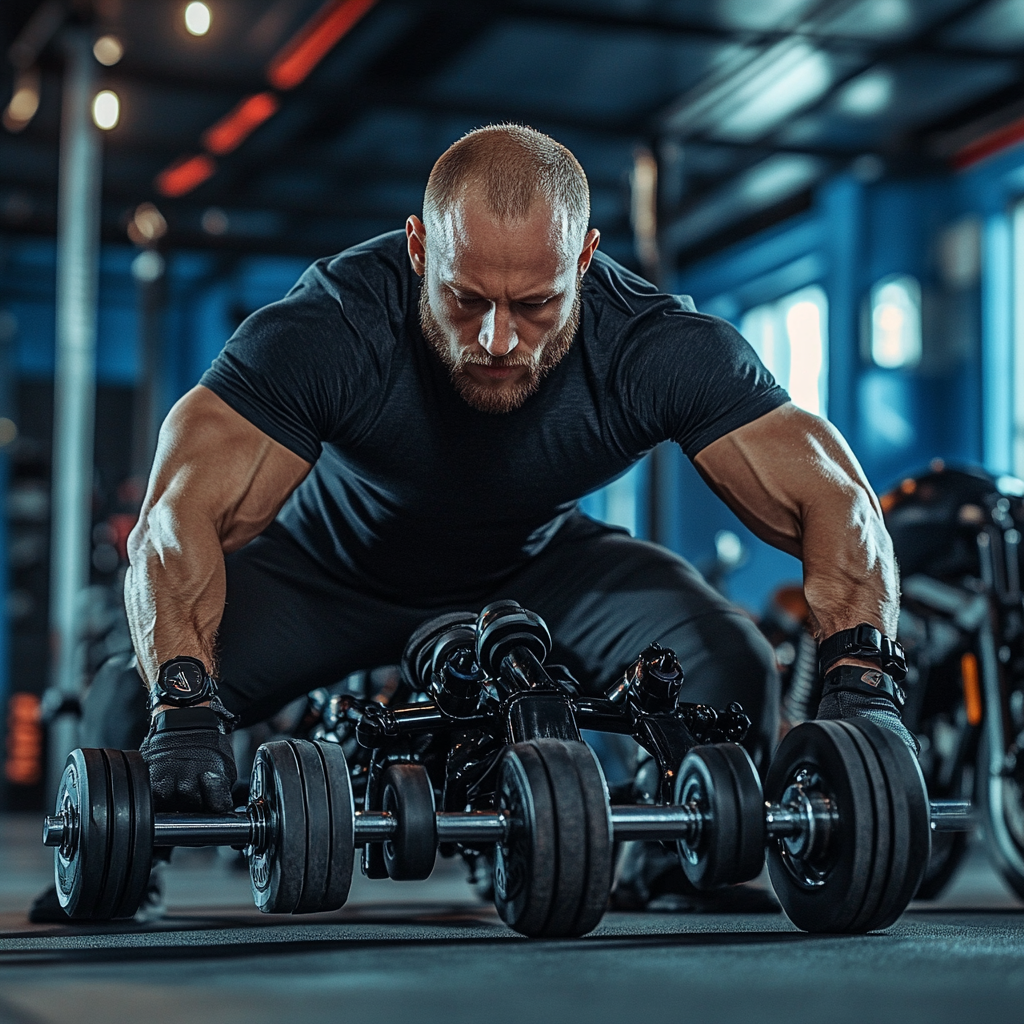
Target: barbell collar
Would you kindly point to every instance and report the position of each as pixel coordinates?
(952, 816)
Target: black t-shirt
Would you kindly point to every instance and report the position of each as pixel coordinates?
(418, 497)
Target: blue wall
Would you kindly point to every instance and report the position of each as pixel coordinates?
(957, 404)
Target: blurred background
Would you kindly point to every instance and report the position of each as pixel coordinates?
(841, 179)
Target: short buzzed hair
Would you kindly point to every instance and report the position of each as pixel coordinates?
(513, 165)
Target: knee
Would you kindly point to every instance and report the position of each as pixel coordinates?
(114, 710)
(735, 662)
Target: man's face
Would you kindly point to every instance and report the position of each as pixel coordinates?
(500, 302)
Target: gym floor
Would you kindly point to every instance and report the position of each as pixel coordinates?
(430, 951)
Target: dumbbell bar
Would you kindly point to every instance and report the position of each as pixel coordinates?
(641, 821)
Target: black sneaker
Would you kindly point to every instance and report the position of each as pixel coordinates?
(649, 877)
(46, 908)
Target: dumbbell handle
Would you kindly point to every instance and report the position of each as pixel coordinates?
(640, 821)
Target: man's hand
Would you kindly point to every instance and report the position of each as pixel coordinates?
(190, 769)
(855, 692)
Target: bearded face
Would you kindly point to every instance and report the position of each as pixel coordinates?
(524, 369)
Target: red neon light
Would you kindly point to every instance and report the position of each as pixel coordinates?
(990, 144)
(297, 58)
(185, 174)
(234, 128)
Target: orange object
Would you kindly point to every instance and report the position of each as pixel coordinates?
(234, 128)
(185, 174)
(24, 763)
(972, 687)
(989, 144)
(296, 59)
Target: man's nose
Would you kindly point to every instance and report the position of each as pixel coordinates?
(497, 333)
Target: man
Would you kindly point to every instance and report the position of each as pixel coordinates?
(408, 432)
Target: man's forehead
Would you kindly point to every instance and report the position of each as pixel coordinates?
(467, 232)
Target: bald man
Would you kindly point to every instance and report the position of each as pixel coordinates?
(408, 432)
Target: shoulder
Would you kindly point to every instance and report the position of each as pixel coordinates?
(374, 278)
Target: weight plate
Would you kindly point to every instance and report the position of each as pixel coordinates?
(140, 861)
(706, 782)
(753, 834)
(911, 817)
(313, 780)
(597, 871)
(408, 794)
(504, 625)
(525, 864)
(80, 862)
(277, 868)
(343, 825)
(884, 849)
(553, 873)
(822, 884)
(119, 834)
(419, 650)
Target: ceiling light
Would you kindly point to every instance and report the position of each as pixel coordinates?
(147, 224)
(198, 18)
(106, 109)
(215, 221)
(868, 94)
(185, 174)
(792, 79)
(108, 50)
(24, 103)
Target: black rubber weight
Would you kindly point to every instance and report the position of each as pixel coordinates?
(280, 890)
(408, 794)
(140, 861)
(343, 824)
(834, 905)
(600, 846)
(318, 827)
(553, 876)
(525, 865)
(85, 878)
(120, 838)
(912, 837)
(885, 851)
(714, 865)
(753, 834)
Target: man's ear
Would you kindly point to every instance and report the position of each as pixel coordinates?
(416, 238)
(590, 244)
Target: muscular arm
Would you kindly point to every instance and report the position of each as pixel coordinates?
(792, 479)
(216, 483)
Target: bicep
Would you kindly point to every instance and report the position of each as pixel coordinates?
(775, 470)
(215, 467)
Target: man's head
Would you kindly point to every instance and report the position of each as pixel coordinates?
(502, 247)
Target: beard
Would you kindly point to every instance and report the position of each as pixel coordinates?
(501, 396)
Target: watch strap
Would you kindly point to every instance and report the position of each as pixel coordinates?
(872, 682)
(174, 719)
(867, 642)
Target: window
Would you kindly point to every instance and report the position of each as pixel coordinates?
(1018, 338)
(896, 322)
(791, 338)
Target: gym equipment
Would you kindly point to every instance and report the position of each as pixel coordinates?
(956, 532)
(510, 781)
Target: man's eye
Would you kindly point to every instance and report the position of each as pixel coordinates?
(534, 305)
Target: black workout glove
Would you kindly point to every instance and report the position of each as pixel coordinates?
(852, 691)
(191, 765)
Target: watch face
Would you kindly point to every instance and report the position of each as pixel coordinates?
(183, 680)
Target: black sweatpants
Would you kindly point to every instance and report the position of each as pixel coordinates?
(289, 627)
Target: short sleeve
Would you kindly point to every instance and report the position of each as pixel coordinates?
(306, 370)
(693, 378)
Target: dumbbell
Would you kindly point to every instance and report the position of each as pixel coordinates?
(299, 829)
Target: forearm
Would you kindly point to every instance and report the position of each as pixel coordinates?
(850, 573)
(174, 591)
(793, 480)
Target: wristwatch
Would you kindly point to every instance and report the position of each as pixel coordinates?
(182, 683)
(866, 642)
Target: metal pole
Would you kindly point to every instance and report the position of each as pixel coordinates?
(78, 224)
